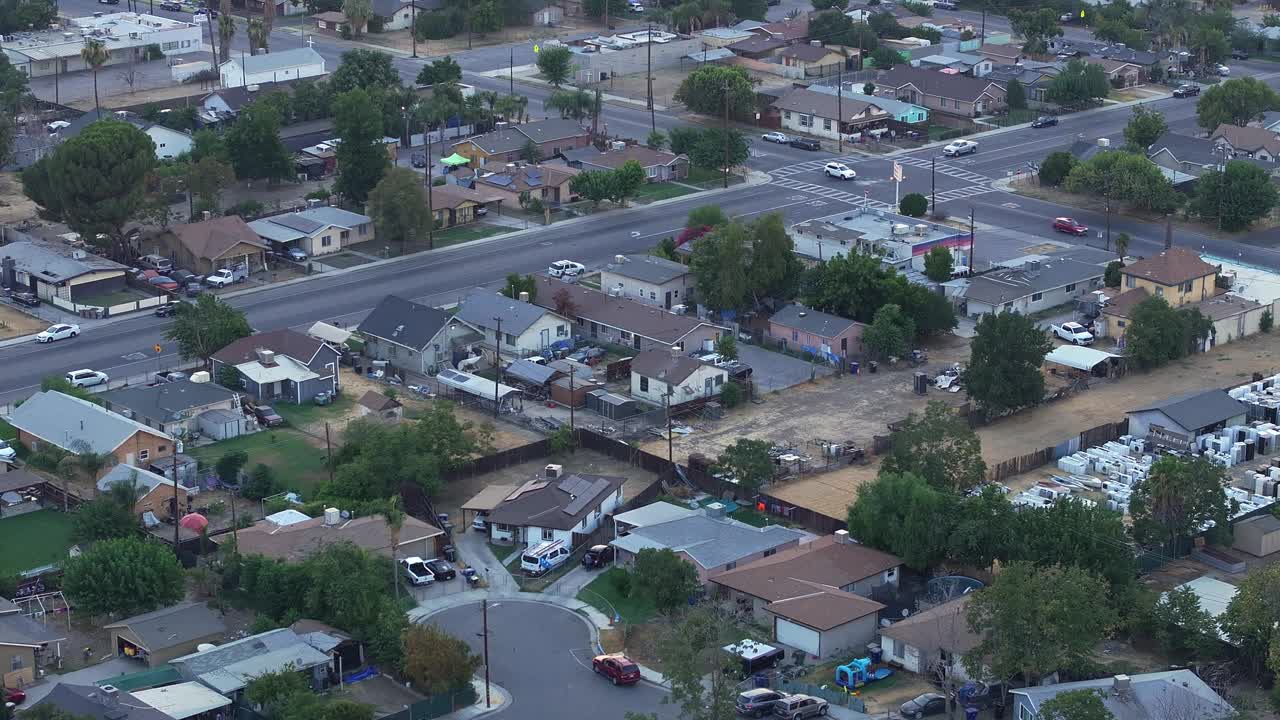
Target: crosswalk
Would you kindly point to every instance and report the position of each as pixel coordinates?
(813, 166)
(944, 169)
(784, 177)
(831, 193)
(964, 192)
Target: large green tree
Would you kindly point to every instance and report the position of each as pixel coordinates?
(122, 577)
(205, 327)
(367, 69)
(703, 679)
(890, 333)
(835, 27)
(398, 207)
(1238, 196)
(1071, 533)
(1239, 101)
(940, 447)
(1079, 83)
(716, 145)
(938, 264)
(748, 462)
(1145, 126)
(1124, 177)
(1178, 498)
(719, 263)
(903, 514)
(362, 158)
(24, 15)
(255, 147)
(710, 88)
(1185, 631)
(110, 515)
(435, 661)
(1252, 619)
(14, 90)
(775, 270)
(555, 64)
(1056, 167)
(444, 70)
(1004, 364)
(1036, 27)
(1158, 333)
(667, 579)
(627, 181)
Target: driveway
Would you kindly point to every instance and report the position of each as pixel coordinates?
(541, 654)
(775, 371)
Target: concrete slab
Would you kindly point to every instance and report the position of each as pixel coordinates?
(775, 371)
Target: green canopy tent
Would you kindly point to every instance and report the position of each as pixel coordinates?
(455, 160)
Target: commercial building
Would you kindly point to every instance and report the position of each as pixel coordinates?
(125, 36)
(1178, 420)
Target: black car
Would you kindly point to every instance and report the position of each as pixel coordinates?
(171, 6)
(166, 310)
(1044, 121)
(926, 704)
(441, 569)
(1186, 91)
(598, 556)
(27, 299)
(108, 2)
(805, 144)
(419, 160)
(1239, 55)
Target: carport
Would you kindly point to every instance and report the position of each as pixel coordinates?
(485, 501)
(1085, 359)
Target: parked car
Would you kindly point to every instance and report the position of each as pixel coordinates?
(598, 556)
(980, 694)
(296, 254)
(1239, 55)
(805, 144)
(13, 696)
(171, 6)
(441, 570)
(7, 453)
(226, 276)
(757, 702)
(164, 282)
(194, 289)
(945, 5)
(418, 160)
(776, 137)
(86, 378)
(1044, 121)
(170, 376)
(56, 125)
(61, 331)
(620, 669)
(1221, 70)
(1070, 226)
(416, 571)
(1186, 91)
(1072, 332)
(267, 416)
(27, 299)
(798, 707)
(926, 704)
(480, 521)
(156, 262)
(184, 277)
(108, 2)
(960, 147)
(565, 268)
(839, 171)
(166, 310)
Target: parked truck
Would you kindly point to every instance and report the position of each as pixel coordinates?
(227, 275)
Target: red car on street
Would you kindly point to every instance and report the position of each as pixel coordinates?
(13, 696)
(618, 668)
(1067, 225)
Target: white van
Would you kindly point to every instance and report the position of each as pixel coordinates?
(543, 557)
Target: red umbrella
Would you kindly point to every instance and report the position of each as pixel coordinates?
(195, 522)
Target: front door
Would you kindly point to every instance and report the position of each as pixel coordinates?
(668, 300)
(546, 338)
(595, 329)
(710, 387)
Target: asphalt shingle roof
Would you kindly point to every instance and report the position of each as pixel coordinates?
(650, 269)
(1009, 284)
(89, 701)
(174, 625)
(481, 306)
(1151, 696)
(545, 507)
(18, 629)
(622, 313)
(404, 322)
(230, 667)
(55, 262)
(166, 402)
(812, 321)
(61, 420)
(672, 369)
(931, 82)
(1170, 267)
(289, 343)
(711, 542)
(513, 138)
(823, 105)
(1199, 409)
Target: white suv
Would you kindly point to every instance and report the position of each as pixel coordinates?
(7, 453)
(839, 170)
(960, 147)
(86, 378)
(566, 268)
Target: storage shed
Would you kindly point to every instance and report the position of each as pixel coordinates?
(530, 373)
(611, 405)
(1258, 536)
(581, 388)
(221, 424)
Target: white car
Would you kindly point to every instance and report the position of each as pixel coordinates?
(839, 170)
(776, 137)
(57, 125)
(1222, 70)
(960, 147)
(416, 571)
(87, 378)
(566, 268)
(1073, 332)
(7, 453)
(61, 331)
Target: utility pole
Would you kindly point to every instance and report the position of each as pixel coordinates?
(1168, 232)
(840, 112)
(670, 455)
(328, 452)
(413, 26)
(933, 185)
(571, 402)
(484, 619)
(177, 542)
(497, 362)
(725, 127)
(653, 122)
(511, 73)
(431, 213)
(1107, 206)
(982, 34)
(970, 241)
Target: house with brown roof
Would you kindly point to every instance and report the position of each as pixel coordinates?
(951, 94)
(758, 47)
(792, 30)
(300, 540)
(1178, 275)
(828, 116)
(622, 321)
(215, 243)
(818, 60)
(671, 377)
(1001, 53)
(375, 405)
(659, 165)
(548, 183)
(281, 365)
(933, 641)
(1119, 73)
(457, 205)
(1253, 142)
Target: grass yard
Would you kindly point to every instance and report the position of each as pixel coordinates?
(44, 537)
(310, 413)
(299, 466)
(652, 192)
(500, 551)
(7, 431)
(467, 233)
(115, 298)
(603, 595)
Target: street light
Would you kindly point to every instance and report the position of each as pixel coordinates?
(497, 362)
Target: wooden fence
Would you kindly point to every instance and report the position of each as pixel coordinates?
(1087, 439)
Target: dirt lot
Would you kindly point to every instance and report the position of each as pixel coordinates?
(15, 323)
(14, 206)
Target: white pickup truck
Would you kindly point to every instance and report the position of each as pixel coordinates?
(1072, 332)
(226, 276)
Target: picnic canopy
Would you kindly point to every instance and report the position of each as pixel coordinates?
(455, 159)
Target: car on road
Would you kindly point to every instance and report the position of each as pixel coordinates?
(776, 137)
(960, 147)
(296, 254)
(171, 6)
(7, 453)
(798, 707)
(416, 571)
(565, 268)
(418, 160)
(1072, 332)
(805, 144)
(108, 2)
(267, 416)
(441, 570)
(1044, 121)
(757, 702)
(1239, 55)
(945, 5)
(27, 299)
(61, 331)
(839, 171)
(922, 705)
(1186, 91)
(13, 697)
(598, 556)
(620, 669)
(1221, 70)
(86, 378)
(1070, 226)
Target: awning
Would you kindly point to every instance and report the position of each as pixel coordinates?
(183, 700)
(329, 333)
(474, 384)
(1078, 357)
(454, 160)
(489, 498)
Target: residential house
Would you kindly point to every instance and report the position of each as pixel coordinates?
(669, 377)
(453, 204)
(227, 102)
(1036, 283)
(1036, 77)
(933, 642)
(758, 47)
(51, 269)
(564, 507)
(962, 63)
(215, 243)
(619, 320)
(169, 143)
(807, 330)
(1120, 73)
(903, 112)
(409, 335)
(659, 165)
(1072, 48)
(173, 408)
(244, 70)
(817, 597)
(1251, 142)
(161, 635)
(526, 328)
(552, 137)
(792, 31)
(1178, 275)
(331, 20)
(829, 116)
(27, 647)
(652, 514)
(317, 230)
(156, 495)
(184, 700)
(281, 365)
(399, 14)
(1001, 53)
(818, 60)
(950, 94)
(297, 541)
(227, 669)
(719, 37)
(1172, 693)
(709, 541)
(1185, 153)
(99, 703)
(72, 424)
(649, 279)
(1177, 421)
(550, 184)
(375, 405)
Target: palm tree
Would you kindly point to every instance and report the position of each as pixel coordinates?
(257, 32)
(95, 55)
(82, 461)
(522, 107)
(394, 515)
(473, 110)
(226, 31)
(574, 104)
(268, 21)
(1122, 245)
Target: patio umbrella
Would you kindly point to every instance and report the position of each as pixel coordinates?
(195, 522)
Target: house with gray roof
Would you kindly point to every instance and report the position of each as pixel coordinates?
(824, 115)
(26, 643)
(901, 111)
(72, 424)
(161, 635)
(665, 378)
(1194, 156)
(281, 364)
(1169, 694)
(940, 92)
(279, 66)
(413, 336)
(174, 408)
(823, 334)
(99, 703)
(516, 328)
(1032, 284)
(317, 230)
(228, 668)
(555, 506)
(1178, 420)
(708, 540)
(622, 320)
(650, 280)
(552, 137)
(54, 269)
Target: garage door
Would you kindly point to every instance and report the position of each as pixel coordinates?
(797, 636)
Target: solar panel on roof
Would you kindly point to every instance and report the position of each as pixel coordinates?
(585, 498)
(573, 484)
(502, 180)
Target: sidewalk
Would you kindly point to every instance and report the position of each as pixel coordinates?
(499, 699)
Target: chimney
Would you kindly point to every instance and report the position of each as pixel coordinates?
(266, 358)
(842, 537)
(205, 214)
(524, 296)
(1121, 685)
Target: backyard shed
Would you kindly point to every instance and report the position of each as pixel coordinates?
(582, 387)
(1076, 357)
(221, 424)
(530, 373)
(611, 405)
(1258, 536)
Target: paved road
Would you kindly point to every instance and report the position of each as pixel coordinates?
(541, 654)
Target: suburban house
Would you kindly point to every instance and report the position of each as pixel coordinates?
(1035, 76)
(174, 408)
(1120, 73)
(549, 183)
(227, 102)
(649, 279)
(558, 506)
(659, 165)
(155, 493)
(817, 60)
(817, 596)
(791, 31)
(624, 321)
(97, 703)
(932, 642)
(227, 669)
(1172, 693)
(664, 377)
(409, 335)
(51, 269)
(951, 94)
(955, 62)
(161, 635)
(214, 243)
(399, 15)
(1253, 142)
(244, 70)
(903, 112)
(708, 540)
(379, 407)
(1036, 283)
(72, 424)
(169, 143)
(1002, 53)
(1177, 421)
(527, 328)
(27, 646)
(331, 20)
(1193, 155)
(1183, 279)
(1178, 275)
(758, 47)
(281, 364)
(805, 329)
(829, 116)
(317, 230)
(299, 540)
(552, 137)
(652, 514)
(453, 204)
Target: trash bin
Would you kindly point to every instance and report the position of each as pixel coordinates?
(853, 367)
(874, 652)
(761, 680)
(971, 713)
(450, 553)
(872, 366)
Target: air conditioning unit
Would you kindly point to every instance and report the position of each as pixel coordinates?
(901, 229)
(617, 145)
(553, 471)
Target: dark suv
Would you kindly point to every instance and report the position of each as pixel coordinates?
(805, 144)
(757, 702)
(1186, 91)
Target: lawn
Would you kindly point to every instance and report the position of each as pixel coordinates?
(467, 233)
(662, 191)
(115, 298)
(310, 413)
(603, 595)
(44, 537)
(752, 517)
(299, 466)
(502, 552)
(7, 431)
(703, 175)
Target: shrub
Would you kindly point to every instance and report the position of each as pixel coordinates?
(730, 395)
(621, 580)
(246, 209)
(914, 205)
(1266, 321)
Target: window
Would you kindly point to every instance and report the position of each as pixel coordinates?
(826, 124)
(344, 234)
(1008, 306)
(326, 241)
(644, 384)
(364, 229)
(561, 330)
(1119, 323)
(548, 534)
(795, 336)
(599, 512)
(786, 114)
(731, 566)
(626, 335)
(162, 448)
(651, 171)
(392, 351)
(719, 380)
(144, 454)
(169, 46)
(1037, 296)
(770, 551)
(1159, 291)
(806, 120)
(511, 339)
(1129, 281)
(581, 321)
(653, 295)
(1186, 286)
(1071, 287)
(1026, 713)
